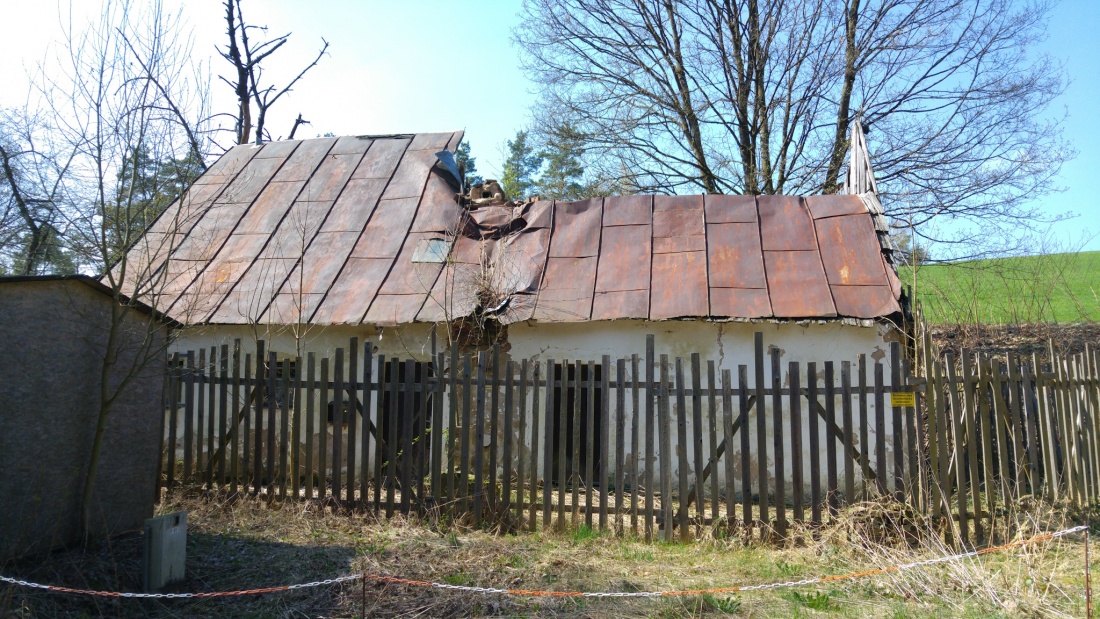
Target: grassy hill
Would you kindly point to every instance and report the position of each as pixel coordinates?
(1051, 288)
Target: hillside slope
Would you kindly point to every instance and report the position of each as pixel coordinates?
(1053, 288)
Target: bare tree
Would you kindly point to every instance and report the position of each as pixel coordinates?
(126, 110)
(743, 96)
(247, 80)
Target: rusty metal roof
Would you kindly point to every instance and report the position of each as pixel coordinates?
(325, 231)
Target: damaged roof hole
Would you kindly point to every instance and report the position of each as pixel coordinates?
(432, 250)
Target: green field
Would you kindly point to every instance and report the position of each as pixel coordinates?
(1050, 288)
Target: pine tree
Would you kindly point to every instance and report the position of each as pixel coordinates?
(468, 164)
(520, 167)
(563, 176)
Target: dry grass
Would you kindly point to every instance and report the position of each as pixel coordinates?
(248, 543)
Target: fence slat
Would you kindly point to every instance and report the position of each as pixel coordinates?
(284, 433)
(535, 448)
(846, 421)
(696, 442)
(957, 418)
(223, 414)
(895, 423)
(450, 491)
(254, 477)
(367, 426)
(548, 437)
(188, 417)
(746, 469)
(777, 439)
(351, 396)
(943, 442)
(393, 440)
(761, 431)
(815, 450)
(464, 460)
(206, 422)
(381, 444)
(272, 425)
(620, 434)
(200, 413)
(727, 435)
(234, 450)
(605, 417)
(973, 444)
(864, 430)
(336, 412)
(880, 431)
(421, 442)
(913, 467)
(635, 410)
(577, 421)
(311, 420)
(650, 425)
(664, 423)
(681, 453)
(479, 438)
(520, 479)
(564, 432)
(405, 447)
(589, 430)
(437, 431)
(506, 458)
(173, 420)
(795, 405)
(712, 428)
(831, 438)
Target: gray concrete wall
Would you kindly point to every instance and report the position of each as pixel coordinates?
(54, 336)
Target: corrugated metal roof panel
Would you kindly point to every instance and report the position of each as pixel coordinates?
(394, 309)
(346, 304)
(835, 204)
(619, 304)
(381, 159)
(797, 285)
(408, 181)
(385, 234)
(267, 211)
(251, 181)
(329, 180)
(740, 303)
(302, 164)
(355, 205)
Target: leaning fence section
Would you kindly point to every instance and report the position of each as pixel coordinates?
(649, 444)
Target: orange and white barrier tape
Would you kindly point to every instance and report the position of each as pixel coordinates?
(540, 593)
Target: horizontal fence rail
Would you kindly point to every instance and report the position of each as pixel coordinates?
(649, 444)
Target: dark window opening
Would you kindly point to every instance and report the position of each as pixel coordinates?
(283, 392)
(396, 411)
(572, 417)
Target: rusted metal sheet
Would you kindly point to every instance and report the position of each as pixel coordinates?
(249, 298)
(251, 181)
(227, 166)
(679, 244)
(408, 277)
(519, 260)
(628, 211)
(274, 150)
(576, 229)
(677, 216)
(408, 180)
(734, 258)
(834, 205)
(268, 209)
(289, 309)
(785, 224)
(381, 159)
(355, 205)
(187, 210)
(297, 229)
(351, 293)
(624, 259)
(301, 165)
(679, 285)
(566, 291)
(394, 309)
(439, 212)
(797, 285)
(730, 209)
(351, 145)
(865, 301)
(454, 294)
(850, 250)
(330, 178)
(431, 141)
(891, 278)
(536, 214)
(740, 303)
(205, 238)
(620, 304)
(385, 234)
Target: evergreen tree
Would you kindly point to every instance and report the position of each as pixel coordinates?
(520, 167)
(467, 164)
(563, 176)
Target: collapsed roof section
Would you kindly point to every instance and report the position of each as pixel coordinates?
(368, 230)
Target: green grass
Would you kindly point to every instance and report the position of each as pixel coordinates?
(1050, 288)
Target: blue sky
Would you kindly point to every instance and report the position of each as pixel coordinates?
(425, 65)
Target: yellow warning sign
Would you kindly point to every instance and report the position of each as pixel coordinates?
(902, 398)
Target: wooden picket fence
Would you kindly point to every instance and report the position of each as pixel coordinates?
(645, 444)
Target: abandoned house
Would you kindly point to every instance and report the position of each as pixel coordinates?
(306, 244)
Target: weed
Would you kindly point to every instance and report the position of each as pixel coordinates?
(728, 605)
(814, 600)
(583, 533)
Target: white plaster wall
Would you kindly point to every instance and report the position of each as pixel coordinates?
(727, 344)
